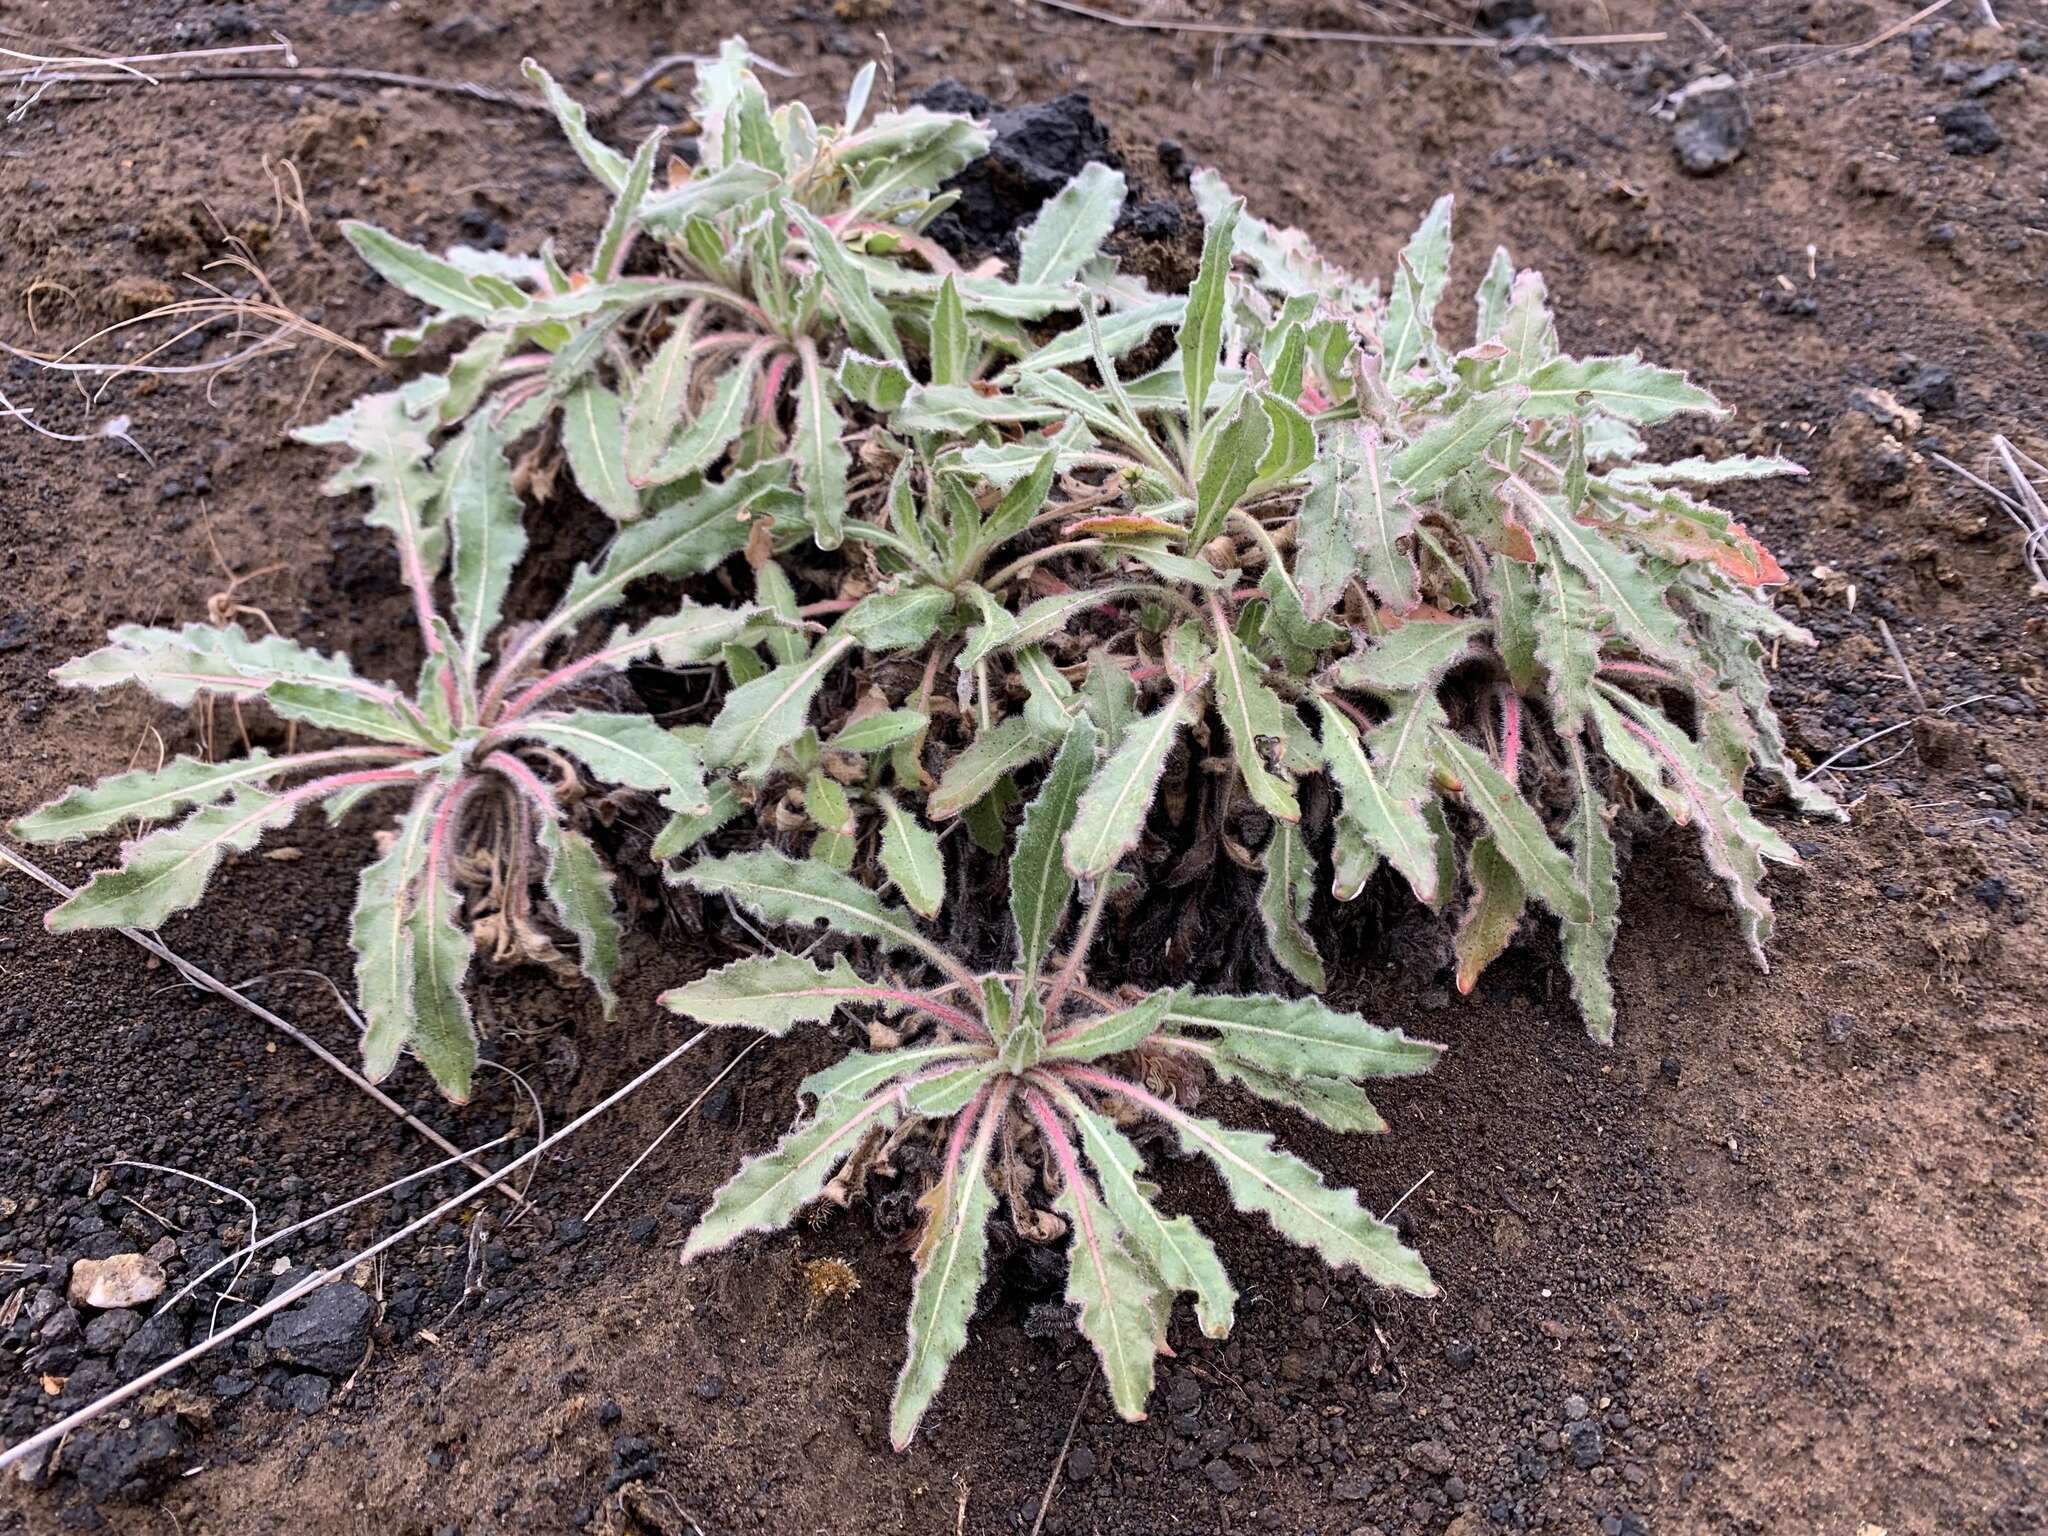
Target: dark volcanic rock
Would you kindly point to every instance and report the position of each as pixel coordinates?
(1968, 129)
(328, 1331)
(1037, 148)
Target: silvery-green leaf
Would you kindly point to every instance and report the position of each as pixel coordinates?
(1618, 579)
(1520, 834)
(1252, 714)
(994, 629)
(703, 196)
(1110, 699)
(781, 890)
(1050, 703)
(1388, 825)
(152, 794)
(1300, 1037)
(1587, 945)
(863, 315)
(858, 1074)
(1289, 1193)
(1201, 330)
(167, 870)
(1173, 1248)
(898, 621)
(594, 434)
(951, 1255)
(1292, 445)
(821, 458)
(1107, 1287)
(1400, 743)
(443, 1034)
(626, 749)
(1332, 1101)
(1415, 656)
(1070, 226)
(912, 858)
(1380, 517)
(579, 888)
(987, 759)
(770, 1189)
(1227, 471)
(1040, 886)
(660, 398)
(766, 715)
(382, 940)
(391, 436)
(618, 228)
(1112, 811)
(953, 347)
(1516, 592)
(1492, 298)
(1106, 1034)
(1425, 265)
(878, 384)
(603, 162)
(683, 536)
(879, 732)
(773, 993)
(1285, 898)
(1048, 616)
(1625, 387)
(332, 708)
(690, 634)
(1121, 331)
(1455, 441)
(1702, 471)
(1567, 629)
(426, 277)
(487, 531)
(682, 833)
(1492, 915)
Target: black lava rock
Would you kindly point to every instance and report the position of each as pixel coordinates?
(1967, 128)
(1038, 147)
(128, 1463)
(307, 1393)
(329, 1331)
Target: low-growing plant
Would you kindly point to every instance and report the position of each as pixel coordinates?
(490, 748)
(1038, 536)
(1025, 1083)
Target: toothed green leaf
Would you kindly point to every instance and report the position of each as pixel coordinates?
(1424, 267)
(383, 939)
(1284, 902)
(1070, 226)
(1517, 830)
(594, 436)
(1040, 886)
(1389, 826)
(1112, 811)
(1252, 714)
(770, 1189)
(627, 749)
(1625, 387)
(773, 993)
(1415, 656)
(951, 1256)
(760, 718)
(1105, 1034)
(1492, 914)
(1292, 1195)
(1587, 945)
(1300, 1037)
(1173, 1248)
(488, 533)
(779, 889)
(167, 870)
(579, 888)
(912, 858)
(987, 760)
(151, 794)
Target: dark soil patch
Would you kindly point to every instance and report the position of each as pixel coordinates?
(1773, 1263)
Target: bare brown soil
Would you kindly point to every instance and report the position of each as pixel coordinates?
(1787, 1239)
